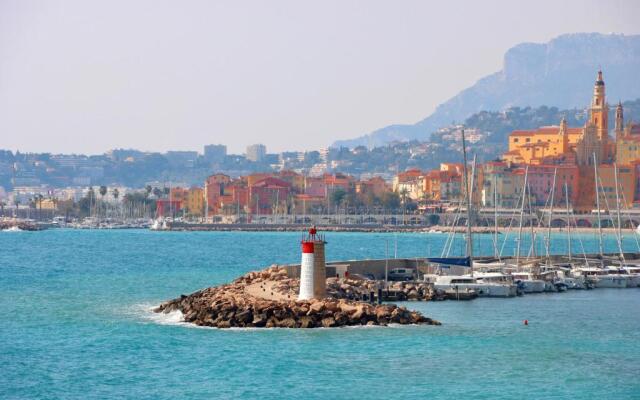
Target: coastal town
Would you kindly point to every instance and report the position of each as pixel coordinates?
(320, 200)
(581, 171)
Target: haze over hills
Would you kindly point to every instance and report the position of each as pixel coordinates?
(559, 73)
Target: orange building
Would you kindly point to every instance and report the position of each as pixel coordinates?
(563, 143)
(375, 186)
(214, 187)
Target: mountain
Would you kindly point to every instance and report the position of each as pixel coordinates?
(559, 73)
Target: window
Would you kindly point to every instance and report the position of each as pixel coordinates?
(515, 140)
(528, 140)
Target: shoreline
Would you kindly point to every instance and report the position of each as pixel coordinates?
(434, 229)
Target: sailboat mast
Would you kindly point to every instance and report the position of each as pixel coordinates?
(615, 174)
(595, 166)
(495, 215)
(524, 193)
(553, 193)
(533, 232)
(468, 199)
(566, 197)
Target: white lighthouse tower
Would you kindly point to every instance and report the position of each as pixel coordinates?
(313, 271)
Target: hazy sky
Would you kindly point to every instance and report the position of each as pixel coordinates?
(88, 76)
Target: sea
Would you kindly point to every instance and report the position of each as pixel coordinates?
(76, 323)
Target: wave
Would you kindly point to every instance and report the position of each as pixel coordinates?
(176, 318)
(145, 312)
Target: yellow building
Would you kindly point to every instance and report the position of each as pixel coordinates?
(195, 202)
(607, 186)
(562, 143)
(627, 140)
(47, 204)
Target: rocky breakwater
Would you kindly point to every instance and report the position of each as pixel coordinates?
(257, 299)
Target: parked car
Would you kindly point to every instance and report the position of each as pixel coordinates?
(401, 274)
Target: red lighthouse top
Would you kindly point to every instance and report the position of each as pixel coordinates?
(313, 236)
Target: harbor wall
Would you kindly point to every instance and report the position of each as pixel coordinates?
(376, 267)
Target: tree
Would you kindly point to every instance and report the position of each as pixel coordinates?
(38, 201)
(86, 203)
(116, 193)
(390, 200)
(148, 190)
(157, 192)
(337, 196)
(433, 219)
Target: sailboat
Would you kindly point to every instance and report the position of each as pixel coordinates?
(485, 284)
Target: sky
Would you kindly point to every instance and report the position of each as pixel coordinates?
(87, 76)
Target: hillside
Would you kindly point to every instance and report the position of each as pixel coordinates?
(486, 131)
(559, 73)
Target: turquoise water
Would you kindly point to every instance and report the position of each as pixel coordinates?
(74, 307)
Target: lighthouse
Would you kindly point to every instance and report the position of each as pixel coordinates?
(313, 271)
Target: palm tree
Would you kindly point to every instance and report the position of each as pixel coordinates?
(2, 204)
(148, 189)
(404, 193)
(103, 192)
(38, 201)
(116, 193)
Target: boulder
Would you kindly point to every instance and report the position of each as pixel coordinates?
(328, 322)
(306, 322)
(286, 323)
(316, 308)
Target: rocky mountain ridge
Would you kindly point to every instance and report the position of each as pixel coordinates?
(559, 73)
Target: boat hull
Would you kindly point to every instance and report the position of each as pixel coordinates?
(532, 285)
(611, 281)
(482, 289)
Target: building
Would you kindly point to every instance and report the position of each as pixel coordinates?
(500, 184)
(195, 203)
(561, 143)
(405, 178)
(215, 153)
(375, 186)
(214, 188)
(540, 181)
(627, 139)
(269, 196)
(256, 152)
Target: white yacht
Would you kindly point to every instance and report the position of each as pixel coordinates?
(528, 282)
(634, 273)
(467, 282)
(601, 277)
(560, 276)
(630, 272)
(498, 284)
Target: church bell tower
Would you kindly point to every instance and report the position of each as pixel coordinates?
(599, 116)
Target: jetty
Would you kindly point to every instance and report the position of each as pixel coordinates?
(266, 299)
(277, 298)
